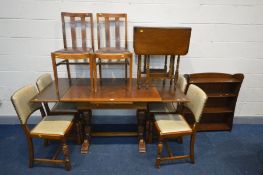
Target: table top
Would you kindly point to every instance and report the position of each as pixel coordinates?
(110, 90)
(161, 40)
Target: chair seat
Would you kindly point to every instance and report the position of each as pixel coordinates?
(78, 50)
(53, 125)
(171, 123)
(162, 107)
(112, 50)
(64, 107)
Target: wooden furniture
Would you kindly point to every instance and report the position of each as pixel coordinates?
(222, 90)
(172, 41)
(114, 94)
(50, 127)
(59, 107)
(113, 50)
(164, 108)
(171, 126)
(84, 21)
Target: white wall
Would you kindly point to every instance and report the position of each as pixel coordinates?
(227, 36)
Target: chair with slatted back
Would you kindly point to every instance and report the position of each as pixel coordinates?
(75, 22)
(171, 126)
(55, 127)
(163, 108)
(59, 107)
(113, 50)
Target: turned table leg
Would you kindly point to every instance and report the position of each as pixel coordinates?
(87, 129)
(141, 115)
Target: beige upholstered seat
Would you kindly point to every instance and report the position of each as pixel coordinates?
(50, 127)
(171, 123)
(168, 107)
(54, 125)
(171, 126)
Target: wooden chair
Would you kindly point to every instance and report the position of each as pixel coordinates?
(170, 126)
(50, 127)
(163, 108)
(113, 53)
(83, 22)
(173, 41)
(59, 107)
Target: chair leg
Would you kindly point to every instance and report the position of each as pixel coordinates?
(68, 71)
(31, 152)
(100, 68)
(150, 129)
(192, 143)
(159, 153)
(66, 156)
(126, 71)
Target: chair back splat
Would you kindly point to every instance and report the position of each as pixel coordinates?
(197, 101)
(71, 24)
(21, 101)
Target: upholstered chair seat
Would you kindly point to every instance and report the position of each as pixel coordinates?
(53, 125)
(171, 123)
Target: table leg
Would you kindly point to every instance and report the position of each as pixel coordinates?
(87, 128)
(141, 114)
(149, 127)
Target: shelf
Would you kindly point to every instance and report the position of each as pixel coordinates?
(213, 80)
(213, 127)
(214, 110)
(221, 95)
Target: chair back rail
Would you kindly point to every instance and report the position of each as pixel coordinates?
(104, 23)
(82, 21)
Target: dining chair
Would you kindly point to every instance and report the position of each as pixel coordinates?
(171, 126)
(163, 108)
(78, 46)
(42, 83)
(113, 51)
(55, 127)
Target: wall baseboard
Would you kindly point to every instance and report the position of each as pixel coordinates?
(101, 119)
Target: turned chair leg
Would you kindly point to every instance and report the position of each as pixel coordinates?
(159, 153)
(66, 156)
(31, 152)
(192, 143)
